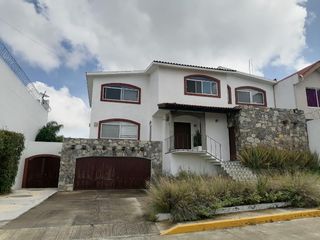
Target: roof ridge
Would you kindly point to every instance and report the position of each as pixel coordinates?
(196, 66)
(302, 71)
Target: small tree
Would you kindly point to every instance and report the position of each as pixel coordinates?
(48, 133)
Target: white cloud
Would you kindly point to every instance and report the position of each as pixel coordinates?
(131, 33)
(68, 110)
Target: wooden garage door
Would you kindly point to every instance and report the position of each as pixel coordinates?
(111, 173)
(41, 171)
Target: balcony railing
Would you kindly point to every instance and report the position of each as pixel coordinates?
(182, 144)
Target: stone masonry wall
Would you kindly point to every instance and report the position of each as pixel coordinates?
(281, 128)
(74, 148)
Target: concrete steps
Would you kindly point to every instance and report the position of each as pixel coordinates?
(237, 171)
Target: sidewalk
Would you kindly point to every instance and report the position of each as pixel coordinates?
(19, 201)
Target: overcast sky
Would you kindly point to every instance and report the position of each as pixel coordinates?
(57, 41)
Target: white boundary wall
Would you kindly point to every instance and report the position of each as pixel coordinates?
(314, 135)
(35, 148)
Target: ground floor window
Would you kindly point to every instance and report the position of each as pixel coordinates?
(119, 130)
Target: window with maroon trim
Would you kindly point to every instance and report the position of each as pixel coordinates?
(200, 85)
(119, 129)
(229, 95)
(313, 97)
(251, 96)
(120, 92)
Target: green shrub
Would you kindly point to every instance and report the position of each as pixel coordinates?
(11, 146)
(190, 197)
(269, 158)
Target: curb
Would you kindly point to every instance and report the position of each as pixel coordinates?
(229, 223)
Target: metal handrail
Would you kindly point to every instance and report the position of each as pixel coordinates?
(213, 147)
(210, 146)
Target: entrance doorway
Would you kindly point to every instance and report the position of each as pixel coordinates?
(182, 135)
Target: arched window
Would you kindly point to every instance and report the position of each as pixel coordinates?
(118, 128)
(251, 96)
(201, 85)
(120, 92)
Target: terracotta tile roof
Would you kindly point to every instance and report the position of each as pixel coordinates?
(197, 108)
(196, 66)
(305, 70)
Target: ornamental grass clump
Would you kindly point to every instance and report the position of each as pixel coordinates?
(262, 158)
(191, 197)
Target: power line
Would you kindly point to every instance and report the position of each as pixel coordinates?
(30, 38)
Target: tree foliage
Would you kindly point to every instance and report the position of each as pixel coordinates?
(11, 147)
(49, 133)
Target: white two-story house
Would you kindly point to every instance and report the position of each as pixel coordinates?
(183, 106)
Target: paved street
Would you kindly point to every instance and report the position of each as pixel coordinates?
(119, 215)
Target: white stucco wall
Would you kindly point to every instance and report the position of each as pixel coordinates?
(171, 88)
(19, 111)
(102, 110)
(35, 148)
(285, 93)
(311, 81)
(314, 135)
(176, 162)
(217, 128)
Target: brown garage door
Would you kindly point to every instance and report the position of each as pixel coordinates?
(41, 171)
(111, 173)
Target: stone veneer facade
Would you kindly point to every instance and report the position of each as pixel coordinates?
(74, 148)
(281, 128)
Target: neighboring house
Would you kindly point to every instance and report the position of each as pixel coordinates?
(301, 90)
(21, 108)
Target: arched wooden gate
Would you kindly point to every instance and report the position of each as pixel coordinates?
(41, 171)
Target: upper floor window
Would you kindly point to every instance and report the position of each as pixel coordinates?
(202, 86)
(120, 92)
(313, 97)
(251, 95)
(119, 129)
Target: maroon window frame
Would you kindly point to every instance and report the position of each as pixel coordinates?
(313, 97)
(229, 95)
(118, 120)
(125, 85)
(252, 88)
(208, 78)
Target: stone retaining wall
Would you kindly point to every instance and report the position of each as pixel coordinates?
(281, 128)
(74, 148)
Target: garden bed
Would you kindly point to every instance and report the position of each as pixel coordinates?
(236, 209)
(189, 197)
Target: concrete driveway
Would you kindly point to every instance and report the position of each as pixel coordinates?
(119, 215)
(83, 215)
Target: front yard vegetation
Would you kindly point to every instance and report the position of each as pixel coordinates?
(11, 147)
(264, 158)
(188, 197)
